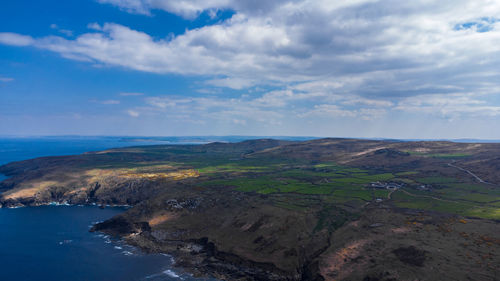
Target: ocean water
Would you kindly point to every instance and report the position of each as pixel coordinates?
(19, 148)
(54, 243)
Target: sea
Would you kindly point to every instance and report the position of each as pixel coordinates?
(54, 243)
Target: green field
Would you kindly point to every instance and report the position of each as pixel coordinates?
(349, 185)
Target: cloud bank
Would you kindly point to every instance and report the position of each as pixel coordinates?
(339, 59)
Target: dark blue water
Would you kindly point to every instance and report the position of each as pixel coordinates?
(53, 242)
(16, 148)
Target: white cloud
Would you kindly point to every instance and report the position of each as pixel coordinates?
(369, 102)
(130, 94)
(448, 106)
(66, 32)
(333, 111)
(94, 26)
(15, 39)
(164, 102)
(233, 83)
(269, 108)
(133, 6)
(355, 41)
(239, 122)
(133, 113)
(192, 8)
(329, 110)
(110, 102)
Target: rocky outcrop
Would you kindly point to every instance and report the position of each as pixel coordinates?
(120, 226)
(226, 236)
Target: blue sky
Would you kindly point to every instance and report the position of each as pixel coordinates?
(366, 68)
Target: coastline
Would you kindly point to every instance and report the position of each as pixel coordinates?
(187, 259)
(93, 197)
(50, 239)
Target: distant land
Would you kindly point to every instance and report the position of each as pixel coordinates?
(230, 138)
(268, 209)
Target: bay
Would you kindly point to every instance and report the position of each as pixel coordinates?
(54, 243)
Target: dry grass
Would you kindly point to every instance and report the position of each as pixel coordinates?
(177, 175)
(161, 218)
(338, 265)
(28, 191)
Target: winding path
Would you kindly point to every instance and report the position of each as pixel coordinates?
(390, 194)
(470, 173)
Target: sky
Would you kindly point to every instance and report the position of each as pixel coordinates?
(360, 68)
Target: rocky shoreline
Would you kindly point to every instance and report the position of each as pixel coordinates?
(197, 256)
(200, 257)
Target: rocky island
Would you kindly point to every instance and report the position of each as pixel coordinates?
(327, 209)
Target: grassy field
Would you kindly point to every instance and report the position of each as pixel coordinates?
(339, 184)
(321, 179)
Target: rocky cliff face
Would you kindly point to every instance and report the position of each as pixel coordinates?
(107, 192)
(232, 236)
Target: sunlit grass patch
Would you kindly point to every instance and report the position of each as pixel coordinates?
(485, 212)
(408, 173)
(404, 180)
(381, 193)
(267, 190)
(233, 168)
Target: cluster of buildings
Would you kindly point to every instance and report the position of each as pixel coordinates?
(386, 185)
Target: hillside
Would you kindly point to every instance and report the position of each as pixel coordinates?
(327, 209)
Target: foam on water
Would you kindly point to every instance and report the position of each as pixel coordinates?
(15, 207)
(171, 273)
(65, 203)
(165, 275)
